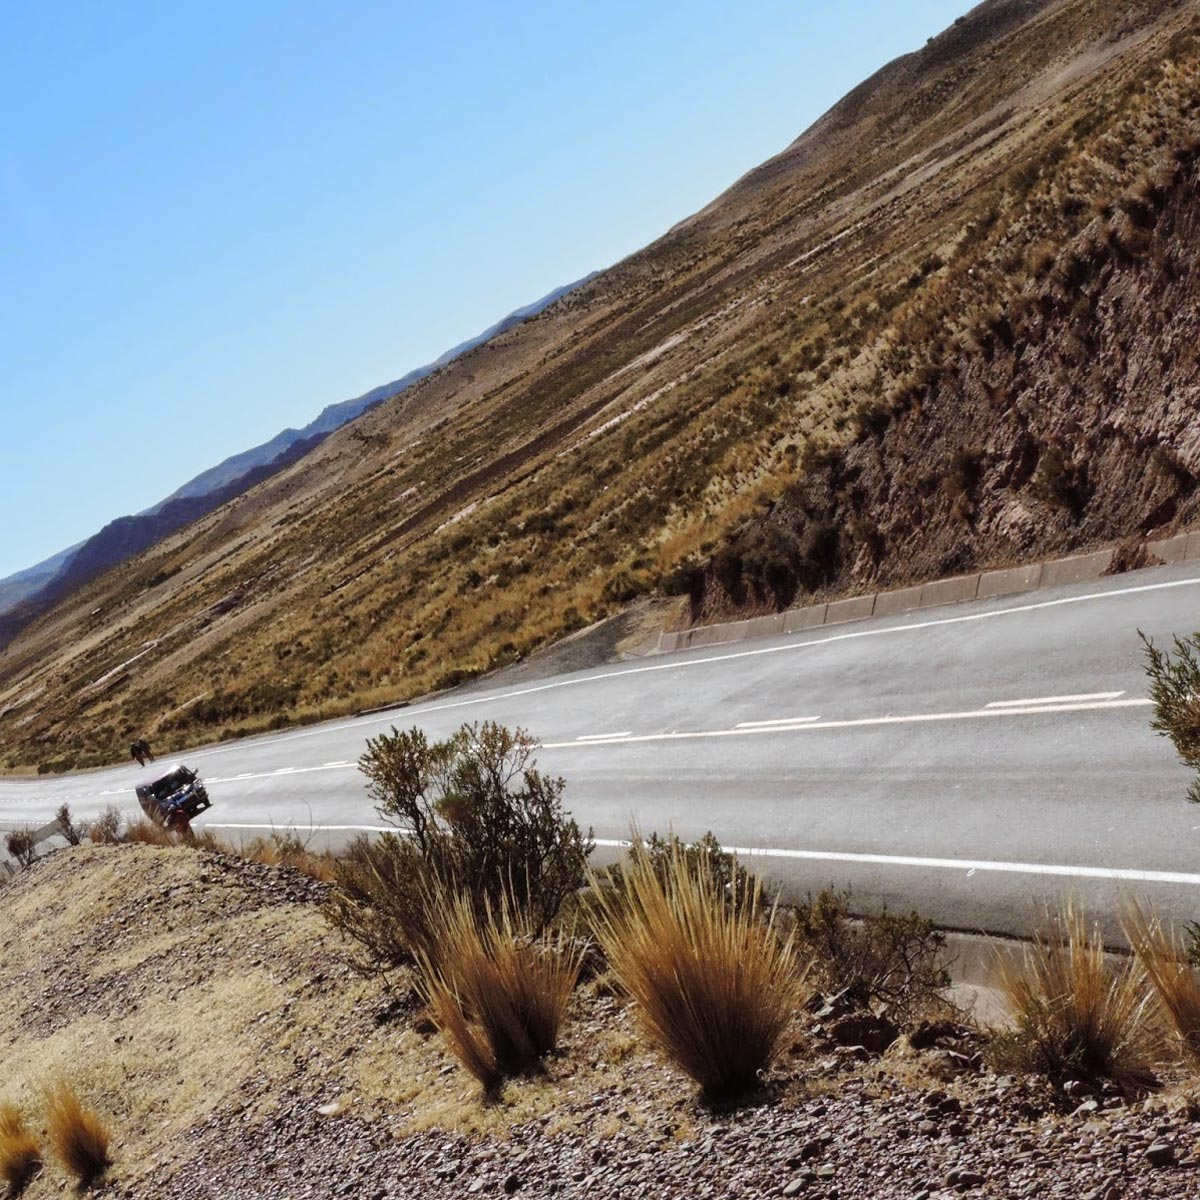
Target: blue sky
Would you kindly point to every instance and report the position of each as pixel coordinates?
(217, 218)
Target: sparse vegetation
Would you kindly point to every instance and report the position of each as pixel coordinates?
(497, 994)
(20, 845)
(78, 1136)
(20, 1156)
(1175, 691)
(888, 961)
(105, 830)
(1173, 977)
(285, 848)
(715, 983)
(67, 826)
(1076, 1015)
(477, 818)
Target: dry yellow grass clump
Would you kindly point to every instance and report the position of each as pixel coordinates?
(716, 985)
(1172, 977)
(497, 996)
(20, 1157)
(79, 1137)
(1077, 1015)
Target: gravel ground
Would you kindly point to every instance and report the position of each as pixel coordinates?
(297, 1115)
(849, 1137)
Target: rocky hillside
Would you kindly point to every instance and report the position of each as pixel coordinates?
(1067, 415)
(953, 301)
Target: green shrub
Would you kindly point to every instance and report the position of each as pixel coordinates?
(474, 816)
(1175, 691)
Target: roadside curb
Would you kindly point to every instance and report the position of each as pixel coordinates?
(936, 593)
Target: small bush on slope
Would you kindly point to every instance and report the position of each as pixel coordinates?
(705, 855)
(497, 996)
(715, 985)
(288, 849)
(20, 1158)
(1076, 1016)
(72, 832)
(477, 819)
(105, 830)
(77, 1134)
(891, 961)
(20, 844)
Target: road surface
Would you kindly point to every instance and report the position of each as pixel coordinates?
(973, 762)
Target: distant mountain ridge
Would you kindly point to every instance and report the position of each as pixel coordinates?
(334, 416)
(29, 592)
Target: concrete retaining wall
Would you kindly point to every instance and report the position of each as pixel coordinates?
(1011, 581)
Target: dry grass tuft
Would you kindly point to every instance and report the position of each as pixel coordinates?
(290, 850)
(715, 984)
(77, 1134)
(144, 832)
(1077, 1016)
(1171, 975)
(20, 1158)
(497, 996)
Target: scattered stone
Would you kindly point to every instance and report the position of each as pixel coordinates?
(1160, 1154)
(874, 1033)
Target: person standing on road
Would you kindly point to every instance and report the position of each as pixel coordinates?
(135, 751)
(144, 746)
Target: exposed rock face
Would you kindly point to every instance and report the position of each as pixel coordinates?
(1070, 417)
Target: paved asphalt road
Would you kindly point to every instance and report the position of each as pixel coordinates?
(974, 762)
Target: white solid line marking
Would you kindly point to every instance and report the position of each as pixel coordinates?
(1054, 699)
(966, 865)
(969, 865)
(337, 764)
(594, 737)
(311, 828)
(778, 721)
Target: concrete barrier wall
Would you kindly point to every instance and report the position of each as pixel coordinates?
(1011, 581)
(1080, 569)
(901, 600)
(853, 609)
(949, 591)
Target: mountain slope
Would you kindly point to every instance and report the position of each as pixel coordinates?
(813, 347)
(29, 592)
(334, 416)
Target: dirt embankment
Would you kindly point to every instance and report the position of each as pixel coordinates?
(1068, 417)
(203, 1007)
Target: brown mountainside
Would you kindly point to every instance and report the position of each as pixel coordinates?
(964, 300)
